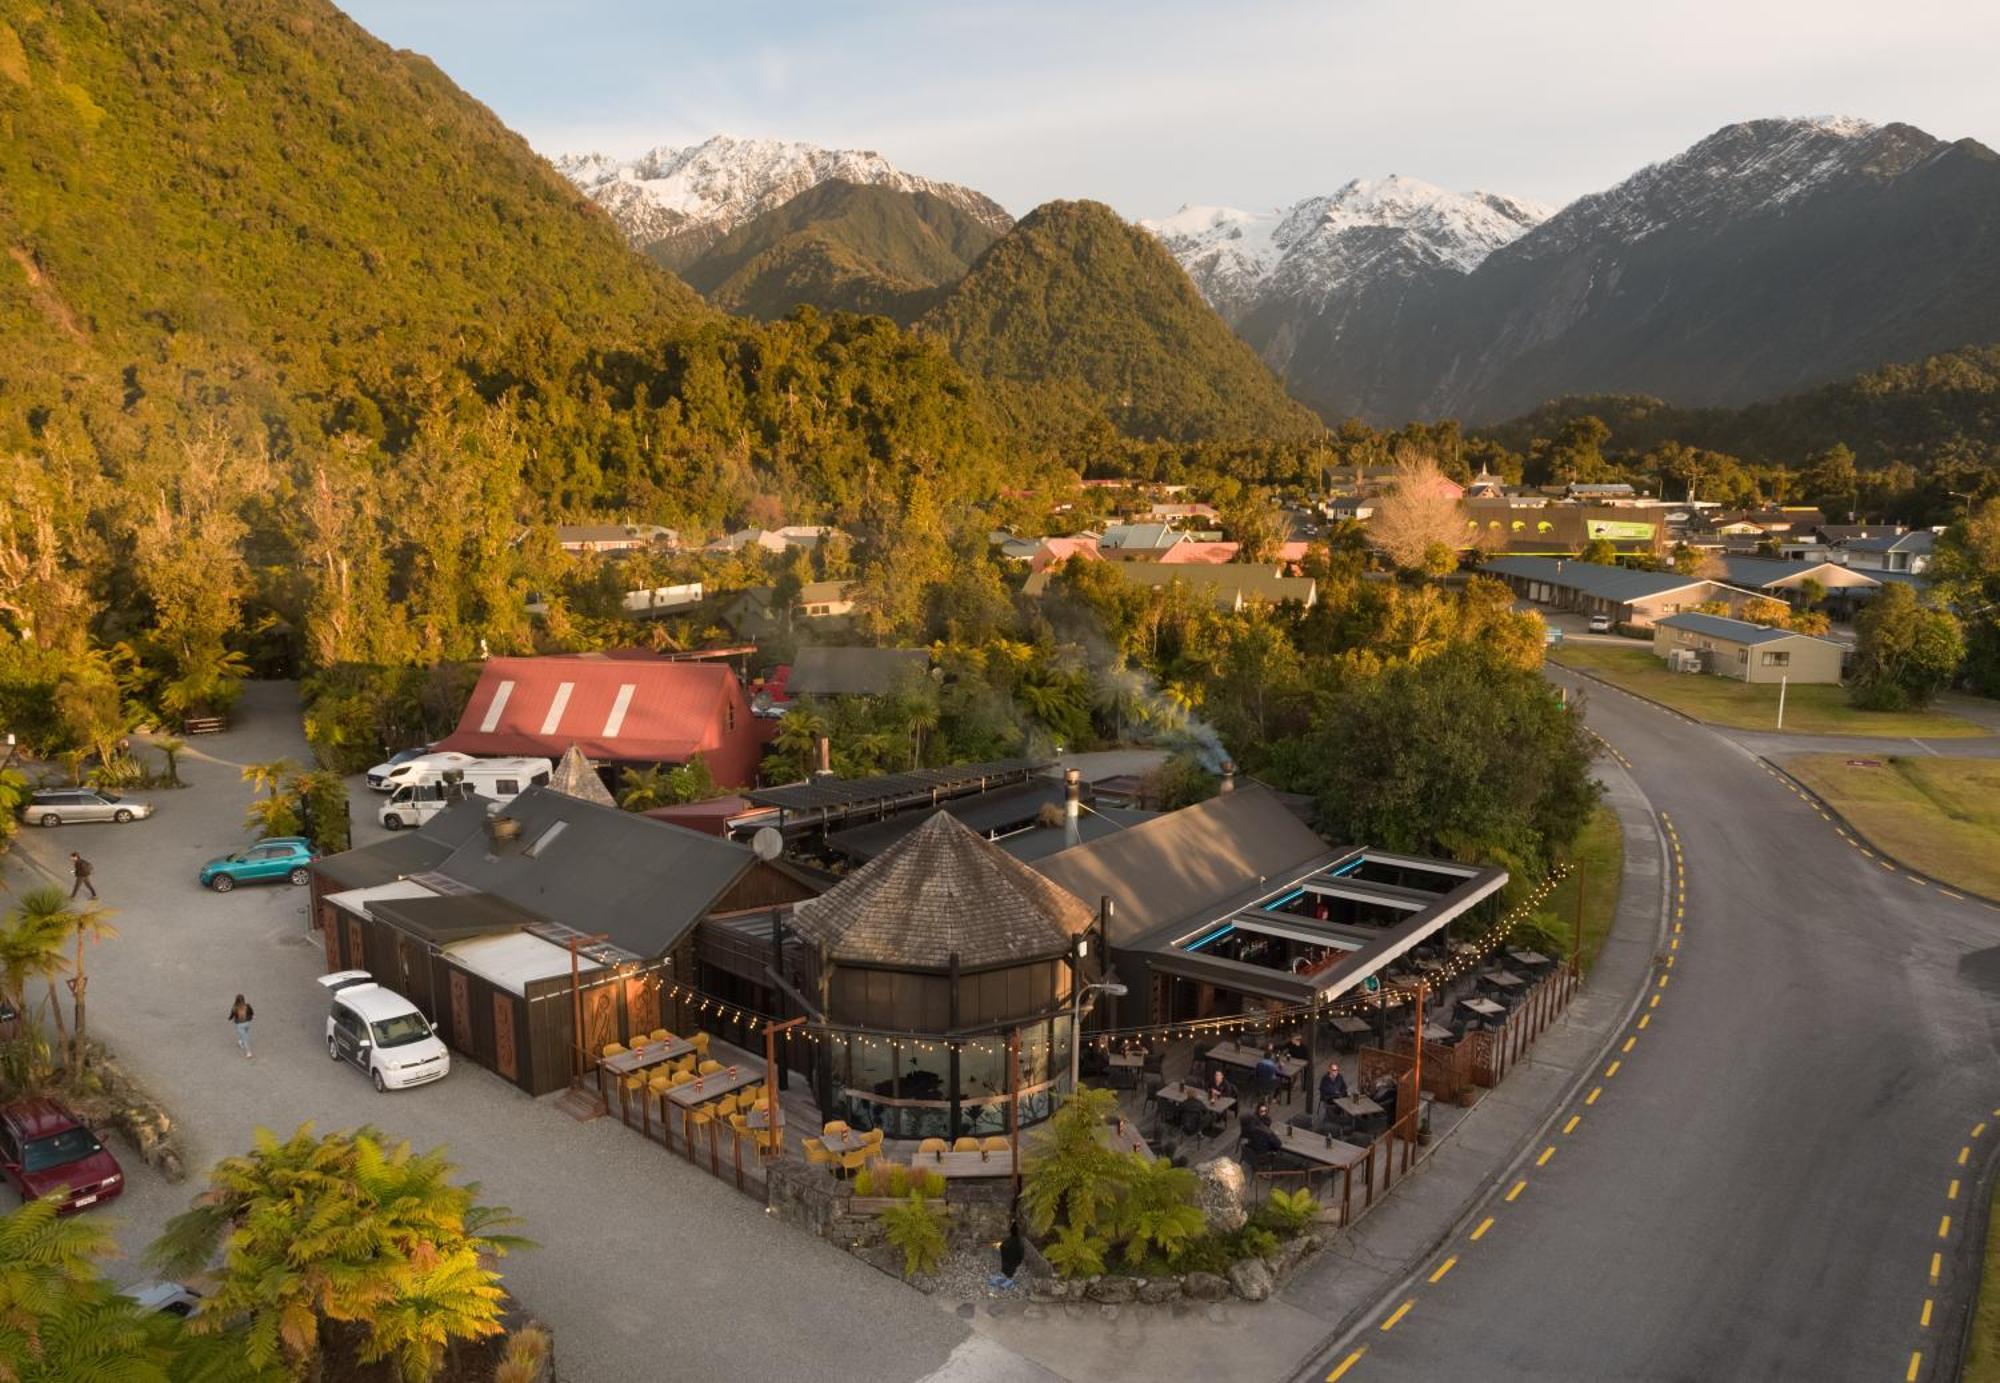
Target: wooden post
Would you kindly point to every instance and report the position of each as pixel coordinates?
(1576, 959)
(576, 1018)
(771, 1111)
(1423, 990)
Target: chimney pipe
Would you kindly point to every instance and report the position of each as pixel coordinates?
(1228, 776)
(823, 757)
(1072, 792)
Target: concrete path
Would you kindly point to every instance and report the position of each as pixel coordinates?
(646, 1268)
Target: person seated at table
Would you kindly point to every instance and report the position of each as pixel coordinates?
(1332, 1085)
(1259, 1138)
(1266, 1072)
(1219, 1087)
(1297, 1048)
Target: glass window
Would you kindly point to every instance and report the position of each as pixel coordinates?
(507, 787)
(71, 1145)
(401, 1030)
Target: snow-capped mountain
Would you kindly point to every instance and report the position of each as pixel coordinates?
(675, 202)
(1368, 230)
(1768, 257)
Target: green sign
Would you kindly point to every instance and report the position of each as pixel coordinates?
(1618, 528)
(1371, 985)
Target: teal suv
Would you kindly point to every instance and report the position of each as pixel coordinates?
(275, 858)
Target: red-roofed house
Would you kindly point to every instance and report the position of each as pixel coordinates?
(1055, 551)
(617, 711)
(1200, 554)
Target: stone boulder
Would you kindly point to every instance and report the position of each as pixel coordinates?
(1223, 1186)
(1251, 1279)
(1114, 1291)
(1159, 1291)
(1204, 1287)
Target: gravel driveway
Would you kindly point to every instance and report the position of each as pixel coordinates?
(645, 1268)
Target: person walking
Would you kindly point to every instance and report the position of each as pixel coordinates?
(240, 1014)
(80, 869)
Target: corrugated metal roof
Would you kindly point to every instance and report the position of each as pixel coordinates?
(941, 891)
(513, 961)
(820, 793)
(1760, 572)
(1733, 630)
(623, 710)
(1617, 584)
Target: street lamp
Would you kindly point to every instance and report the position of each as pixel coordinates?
(1111, 987)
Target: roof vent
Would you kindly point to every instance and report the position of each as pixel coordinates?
(501, 829)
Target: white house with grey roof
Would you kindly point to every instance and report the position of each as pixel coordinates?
(1754, 653)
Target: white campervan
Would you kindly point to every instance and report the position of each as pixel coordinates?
(421, 796)
(392, 773)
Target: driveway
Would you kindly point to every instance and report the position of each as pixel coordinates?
(646, 1268)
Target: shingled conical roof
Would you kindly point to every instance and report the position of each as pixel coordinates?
(576, 778)
(942, 889)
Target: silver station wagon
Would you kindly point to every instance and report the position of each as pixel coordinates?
(60, 806)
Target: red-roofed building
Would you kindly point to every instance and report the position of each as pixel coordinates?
(617, 711)
(1055, 551)
(1200, 554)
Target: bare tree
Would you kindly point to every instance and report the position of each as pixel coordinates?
(1420, 517)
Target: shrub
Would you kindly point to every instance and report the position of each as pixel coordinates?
(918, 1230)
(1288, 1212)
(1156, 1210)
(931, 1184)
(1076, 1252)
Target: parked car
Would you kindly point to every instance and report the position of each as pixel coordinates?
(164, 1298)
(55, 806)
(275, 857)
(1600, 624)
(381, 1032)
(44, 1149)
(378, 776)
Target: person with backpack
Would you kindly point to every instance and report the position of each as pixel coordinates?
(80, 869)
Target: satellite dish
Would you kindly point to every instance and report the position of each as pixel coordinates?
(768, 843)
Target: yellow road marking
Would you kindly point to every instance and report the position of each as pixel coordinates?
(1398, 1314)
(1937, 1265)
(1670, 962)
(1630, 1043)
(1951, 1191)
(1646, 1018)
(1677, 926)
(1963, 1154)
(1824, 817)
(1925, 1320)
(1595, 1091)
(1517, 1188)
(1663, 981)
(1611, 1070)
(1945, 892)
(1484, 1225)
(1444, 1268)
(1675, 944)
(1654, 1002)
(1916, 1363)
(1550, 1151)
(1866, 851)
(1344, 1365)
(1574, 1120)
(1915, 880)
(1944, 1226)
(1978, 1129)
(1679, 913)
(1886, 865)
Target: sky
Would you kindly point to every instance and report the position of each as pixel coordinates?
(1255, 105)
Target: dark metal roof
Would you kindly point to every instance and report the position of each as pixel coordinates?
(984, 813)
(443, 920)
(832, 795)
(642, 882)
(1732, 630)
(402, 855)
(1619, 584)
(1188, 862)
(938, 892)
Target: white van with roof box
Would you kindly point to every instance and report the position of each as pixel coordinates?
(381, 1032)
(421, 796)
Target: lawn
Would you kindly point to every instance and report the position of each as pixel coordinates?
(1809, 710)
(1600, 850)
(1982, 1355)
(1939, 815)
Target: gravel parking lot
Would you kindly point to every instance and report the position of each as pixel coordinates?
(645, 1267)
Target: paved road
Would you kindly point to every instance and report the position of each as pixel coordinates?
(647, 1268)
(1760, 1187)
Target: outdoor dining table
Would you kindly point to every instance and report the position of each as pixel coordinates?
(1434, 1033)
(952, 1165)
(1127, 1061)
(761, 1118)
(1317, 1147)
(1532, 959)
(638, 1059)
(1180, 1091)
(714, 1085)
(1347, 1025)
(1235, 1054)
(1503, 979)
(1358, 1106)
(1485, 1008)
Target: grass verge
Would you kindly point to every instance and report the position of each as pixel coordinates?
(1809, 710)
(1600, 852)
(1982, 1352)
(1939, 815)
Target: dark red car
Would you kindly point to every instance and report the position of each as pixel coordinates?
(45, 1148)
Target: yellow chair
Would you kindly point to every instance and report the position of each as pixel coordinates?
(834, 1126)
(741, 1125)
(965, 1144)
(681, 1066)
(660, 1082)
(856, 1160)
(662, 1035)
(639, 1040)
(682, 1079)
(725, 1106)
(612, 1049)
(872, 1138)
(708, 1068)
(817, 1154)
(700, 1041)
(756, 1105)
(994, 1144)
(933, 1146)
